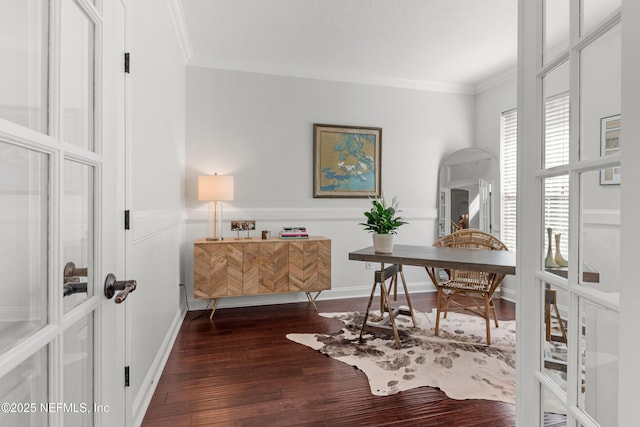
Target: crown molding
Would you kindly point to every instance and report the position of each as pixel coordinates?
(328, 75)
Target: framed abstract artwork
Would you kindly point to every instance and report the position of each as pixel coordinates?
(346, 161)
(610, 144)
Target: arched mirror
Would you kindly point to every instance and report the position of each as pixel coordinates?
(469, 182)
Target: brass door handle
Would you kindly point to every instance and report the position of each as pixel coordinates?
(111, 286)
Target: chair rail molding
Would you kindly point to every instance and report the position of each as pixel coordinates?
(304, 214)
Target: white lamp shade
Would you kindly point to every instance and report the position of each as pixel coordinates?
(215, 187)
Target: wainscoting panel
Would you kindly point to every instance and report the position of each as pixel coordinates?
(154, 314)
(601, 246)
(349, 278)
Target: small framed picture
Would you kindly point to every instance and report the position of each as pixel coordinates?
(346, 161)
(238, 225)
(243, 225)
(610, 144)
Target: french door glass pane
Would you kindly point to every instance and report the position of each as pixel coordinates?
(556, 117)
(556, 222)
(593, 12)
(77, 233)
(598, 390)
(509, 169)
(556, 28)
(77, 84)
(600, 233)
(555, 333)
(26, 389)
(553, 409)
(78, 373)
(600, 96)
(24, 220)
(24, 63)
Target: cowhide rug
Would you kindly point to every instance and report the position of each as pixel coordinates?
(458, 361)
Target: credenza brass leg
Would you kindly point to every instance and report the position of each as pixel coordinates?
(312, 299)
(213, 306)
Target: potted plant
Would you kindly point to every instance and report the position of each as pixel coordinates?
(383, 220)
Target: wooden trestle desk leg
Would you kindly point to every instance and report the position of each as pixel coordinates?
(551, 302)
(392, 317)
(385, 301)
(394, 284)
(406, 294)
(433, 274)
(366, 313)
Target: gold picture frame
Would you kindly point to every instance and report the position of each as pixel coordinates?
(346, 161)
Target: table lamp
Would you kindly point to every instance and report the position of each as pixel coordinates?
(215, 189)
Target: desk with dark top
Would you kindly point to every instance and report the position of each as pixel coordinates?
(452, 258)
(433, 258)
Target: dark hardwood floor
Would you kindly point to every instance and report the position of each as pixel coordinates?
(239, 369)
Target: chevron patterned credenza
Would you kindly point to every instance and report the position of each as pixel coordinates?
(230, 268)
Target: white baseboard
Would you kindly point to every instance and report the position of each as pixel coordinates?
(286, 298)
(341, 293)
(508, 294)
(142, 400)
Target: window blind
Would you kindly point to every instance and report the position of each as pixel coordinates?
(509, 168)
(556, 189)
(556, 134)
(556, 131)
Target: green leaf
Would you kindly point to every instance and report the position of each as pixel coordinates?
(383, 219)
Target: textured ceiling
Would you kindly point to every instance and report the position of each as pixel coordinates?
(433, 44)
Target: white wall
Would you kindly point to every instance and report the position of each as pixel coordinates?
(157, 144)
(259, 129)
(601, 63)
(490, 104)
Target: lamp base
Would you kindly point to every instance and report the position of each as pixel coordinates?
(215, 239)
(215, 221)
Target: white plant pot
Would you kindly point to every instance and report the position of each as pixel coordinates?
(383, 243)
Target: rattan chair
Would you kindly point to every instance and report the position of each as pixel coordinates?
(463, 287)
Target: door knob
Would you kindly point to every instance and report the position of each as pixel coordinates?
(111, 286)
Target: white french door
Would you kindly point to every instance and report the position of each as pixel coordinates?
(570, 190)
(61, 339)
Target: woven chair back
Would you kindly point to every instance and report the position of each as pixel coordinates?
(470, 239)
